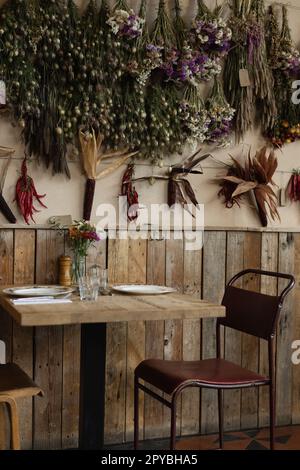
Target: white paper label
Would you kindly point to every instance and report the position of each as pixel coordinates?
(244, 78)
(2, 92)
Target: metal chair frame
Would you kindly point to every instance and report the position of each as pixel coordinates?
(270, 380)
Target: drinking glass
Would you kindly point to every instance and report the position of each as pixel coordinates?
(87, 290)
(103, 280)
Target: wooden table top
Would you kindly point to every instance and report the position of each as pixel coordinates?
(115, 308)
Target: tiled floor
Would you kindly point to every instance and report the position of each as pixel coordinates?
(287, 438)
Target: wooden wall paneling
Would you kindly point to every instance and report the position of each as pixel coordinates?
(285, 334)
(137, 274)
(24, 273)
(6, 278)
(233, 340)
(192, 264)
(296, 335)
(250, 344)
(269, 262)
(214, 265)
(48, 350)
(173, 328)
(116, 347)
(154, 424)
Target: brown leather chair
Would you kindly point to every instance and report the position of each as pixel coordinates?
(14, 384)
(246, 311)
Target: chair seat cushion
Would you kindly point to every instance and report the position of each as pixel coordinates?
(215, 373)
(15, 382)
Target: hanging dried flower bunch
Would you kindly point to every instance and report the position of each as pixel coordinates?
(254, 179)
(220, 116)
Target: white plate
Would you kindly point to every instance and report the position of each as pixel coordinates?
(143, 290)
(38, 291)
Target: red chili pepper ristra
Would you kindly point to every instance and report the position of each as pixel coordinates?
(26, 193)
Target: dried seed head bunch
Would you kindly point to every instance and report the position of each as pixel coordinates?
(279, 44)
(220, 117)
(263, 81)
(18, 41)
(255, 179)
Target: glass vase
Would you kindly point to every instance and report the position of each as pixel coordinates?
(78, 268)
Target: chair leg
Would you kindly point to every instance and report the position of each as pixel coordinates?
(221, 417)
(272, 417)
(173, 422)
(14, 420)
(136, 414)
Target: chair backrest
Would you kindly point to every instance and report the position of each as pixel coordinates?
(252, 312)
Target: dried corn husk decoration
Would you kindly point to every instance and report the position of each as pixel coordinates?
(180, 190)
(92, 155)
(4, 208)
(255, 179)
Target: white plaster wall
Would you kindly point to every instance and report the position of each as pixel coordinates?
(65, 197)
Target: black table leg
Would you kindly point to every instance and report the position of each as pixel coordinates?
(92, 386)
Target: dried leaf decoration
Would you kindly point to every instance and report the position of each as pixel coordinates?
(255, 179)
(92, 155)
(180, 190)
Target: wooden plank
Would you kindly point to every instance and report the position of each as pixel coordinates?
(233, 341)
(190, 417)
(116, 347)
(285, 334)
(71, 382)
(48, 350)
(113, 309)
(24, 273)
(296, 335)
(70, 378)
(6, 277)
(154, 425)
(250, 344)
(173, 328)
(269, 262)
(214, 261)
(137, 274)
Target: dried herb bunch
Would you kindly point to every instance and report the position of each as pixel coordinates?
(263, 81)
(246, 38)
(283, 59)
(254, 179)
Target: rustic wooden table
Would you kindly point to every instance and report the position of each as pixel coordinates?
(93, 316)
